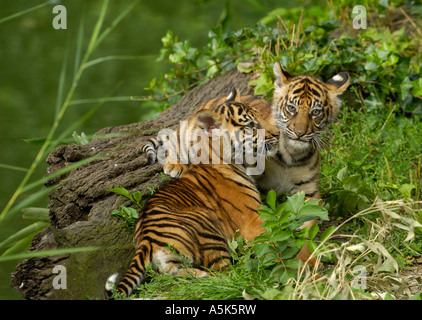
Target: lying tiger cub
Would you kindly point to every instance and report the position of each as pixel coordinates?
(187, 224)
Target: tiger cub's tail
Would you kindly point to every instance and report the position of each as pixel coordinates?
(150, 148)
(135, 274)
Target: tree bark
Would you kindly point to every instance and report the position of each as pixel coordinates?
(80, 204)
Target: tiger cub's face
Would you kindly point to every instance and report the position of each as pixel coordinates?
(304, 106)
(241, 124)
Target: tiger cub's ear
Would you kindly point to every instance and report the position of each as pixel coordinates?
(282, 77)
(234, 96)
(208, 120)
(339, 83)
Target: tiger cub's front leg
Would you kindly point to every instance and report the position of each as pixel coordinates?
(175, 170)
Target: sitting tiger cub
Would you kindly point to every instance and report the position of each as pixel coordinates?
(198, 213)
(303, 108)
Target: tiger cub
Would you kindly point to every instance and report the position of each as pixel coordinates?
(186, 225)
(303, 108)
(174, 155)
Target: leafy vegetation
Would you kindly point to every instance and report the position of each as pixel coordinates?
(128, 215)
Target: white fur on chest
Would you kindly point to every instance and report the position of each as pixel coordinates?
(276, 177)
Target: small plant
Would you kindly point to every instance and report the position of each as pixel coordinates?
(127, 214)
(274, 251)
(348, 195)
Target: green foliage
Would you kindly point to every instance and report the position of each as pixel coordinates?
(384, 64)
(128, 215)
(274, 251)
(81, 139)
(348, 195)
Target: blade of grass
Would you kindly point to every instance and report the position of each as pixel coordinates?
(7, 166)
(60, 172)
(61, 112)
(111, 58)
(25, 203)
(115, 22)
(38, 214)
(79, 43)
(100, 100)
(20, 246)
(23, 12)
(32, 228)
(62, 79)
(46, 253)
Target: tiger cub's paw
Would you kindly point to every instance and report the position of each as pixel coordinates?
(174, 170)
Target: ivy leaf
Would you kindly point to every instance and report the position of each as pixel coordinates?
(417, 87)
(405, 87)
(263, 84)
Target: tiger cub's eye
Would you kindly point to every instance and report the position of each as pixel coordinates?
(250, 124)
(316, 112)
(291, 108)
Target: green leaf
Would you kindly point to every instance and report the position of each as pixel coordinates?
(281, 236)
(313, 231)
(295, 202)
(417, 296)
(314, 211)
(272, 294)
(137, 197)
(406, 190)
(290, 252)
(283, 218)
(417, 87)
(405, 87)
(270, 224)
(292, 263)
(312, 245)
(261, 249)
(329, 25)
(327, 233)
(266, 212)
(132, 213)
(263, 84)
(122, 192)
(271, 199)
